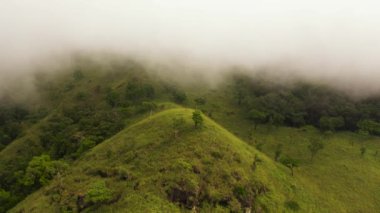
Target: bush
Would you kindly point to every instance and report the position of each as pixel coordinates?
(41, 169)
(198, 119)
(331, 123)
(98, 193)
(200, 101)
(293, 205)
(257, 117)
(179, 97)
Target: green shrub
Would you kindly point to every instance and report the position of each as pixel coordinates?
(293, 205)
(98, 193)
(41, 169)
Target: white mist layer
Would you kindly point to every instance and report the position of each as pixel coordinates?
(335, 41)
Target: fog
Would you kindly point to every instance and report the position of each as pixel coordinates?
(333, 41)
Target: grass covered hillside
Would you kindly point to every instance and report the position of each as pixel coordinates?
(116, 136)
(164, 164)
(343, 176)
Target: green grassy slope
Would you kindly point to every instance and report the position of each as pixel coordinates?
(216, 161)
(338, 177)
(149, 170)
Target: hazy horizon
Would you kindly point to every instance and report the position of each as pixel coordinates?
(336, 41)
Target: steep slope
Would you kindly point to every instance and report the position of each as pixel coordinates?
(155, 166)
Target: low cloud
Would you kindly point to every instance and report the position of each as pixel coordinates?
(333, 41)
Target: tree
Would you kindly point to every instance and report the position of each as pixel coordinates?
(200, 101)
(315, 146)
(290, 163)
(369, 126)
(276, 119)
(112, 97)
(179, 96)
(258, 117)
(85, 145)
(297, 119)
(6, 200)
(198, 119)
(98, 193)
(148, 106)
(331, 123)
(136, 91)
(41, 169)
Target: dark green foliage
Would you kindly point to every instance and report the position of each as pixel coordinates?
(246, 193)
(291, 163)
(257, 117)
(64, 134)
(369, 126)
(6, 200)
(136, 92)
(239, 89)
(331, 123)
(179, 96)
(81, 96)
(10, 122)
(259, 145)
(56, 136)
(276, 119)
(198, 119)
(85, 145)
(148, 106)
(200, 101)
(297, 119)
(305, 104)
(112, 97)
(101, 125)
(292, 205)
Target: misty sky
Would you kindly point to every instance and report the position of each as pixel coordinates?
(331, 40)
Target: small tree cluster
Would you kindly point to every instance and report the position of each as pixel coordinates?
(98, 193)
(369, 127)
(327, 123)
(258, 117)
(41, 170)
(290, 163)
(198, 119)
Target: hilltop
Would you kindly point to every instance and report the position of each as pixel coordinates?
(147, 168)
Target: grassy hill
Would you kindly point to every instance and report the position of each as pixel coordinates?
(339, 176)
(147, 169)
(119, 129)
